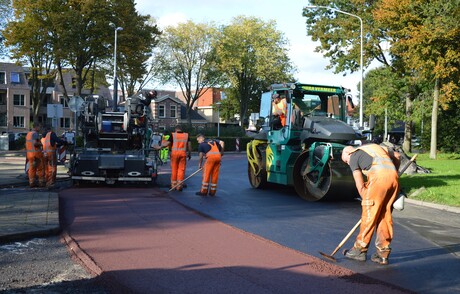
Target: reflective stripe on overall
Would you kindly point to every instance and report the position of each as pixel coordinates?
(380, 191)
(211, 170)
(178, 158)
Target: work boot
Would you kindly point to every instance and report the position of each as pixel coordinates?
(356, 253)
(381, 256)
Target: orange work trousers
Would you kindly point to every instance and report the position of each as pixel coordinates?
(36, 168)
(381, 190)
(210, 175)
(50, 160)
(178, 165)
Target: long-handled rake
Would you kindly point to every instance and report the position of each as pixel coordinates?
(181, 182)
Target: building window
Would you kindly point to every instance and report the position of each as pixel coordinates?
(18, 121)
(2, 98)
(65, 122)
(63, 101)
(3, 119)
(161, 111)
(173, 111)
(18, 100)
(2, 77)
(15, 78)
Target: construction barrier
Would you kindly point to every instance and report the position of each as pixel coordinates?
(26, 167)
(237, 147)
(61, 153)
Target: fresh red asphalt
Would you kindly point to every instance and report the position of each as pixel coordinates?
(140, 240)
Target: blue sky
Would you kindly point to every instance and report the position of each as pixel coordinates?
(287, 14)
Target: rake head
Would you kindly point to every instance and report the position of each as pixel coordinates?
(329, 257)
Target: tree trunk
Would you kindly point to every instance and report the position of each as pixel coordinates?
(434, 121)
(408, 124)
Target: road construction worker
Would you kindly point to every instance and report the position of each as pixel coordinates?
(164, 152)
(181, 149)
(279, 110)
(212, 150)
(34, 155)
(50, 143)
(378, 194)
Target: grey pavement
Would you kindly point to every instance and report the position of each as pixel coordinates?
(25, 212)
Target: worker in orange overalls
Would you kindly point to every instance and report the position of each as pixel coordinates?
(378, 194)
(212, 150)
(279, 110)
(34, 156)
(181, 149)
(50, 143)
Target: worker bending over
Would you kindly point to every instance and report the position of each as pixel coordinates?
(378, 194)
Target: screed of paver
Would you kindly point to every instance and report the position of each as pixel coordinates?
(148, 243)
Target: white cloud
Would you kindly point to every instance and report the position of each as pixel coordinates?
(171, 19)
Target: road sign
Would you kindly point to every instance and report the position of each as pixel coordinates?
(54, 111)
(75, 103)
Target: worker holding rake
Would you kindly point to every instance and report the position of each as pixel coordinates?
(378, 193)
(212, 151)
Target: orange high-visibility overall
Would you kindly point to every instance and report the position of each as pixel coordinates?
(280, 109)
(50, 160)
(380, 191)
(211, 170)
(35, 157)
(178, 158)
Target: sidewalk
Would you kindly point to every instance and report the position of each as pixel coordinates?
(24, 212)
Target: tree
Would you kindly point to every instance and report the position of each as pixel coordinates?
(135, 46)
(29, 43)
(252, 55)
(5, 12)
(76, 34)
(339, 34)
(385, 94)
(425, 35)
(186, 57)
(61, 33)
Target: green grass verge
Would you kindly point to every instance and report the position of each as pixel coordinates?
(441, 186)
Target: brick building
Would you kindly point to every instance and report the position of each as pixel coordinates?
(16, 106)
(16, 115)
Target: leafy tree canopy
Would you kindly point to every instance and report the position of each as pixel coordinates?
(252, 54)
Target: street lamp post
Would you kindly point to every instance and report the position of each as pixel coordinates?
(361, 57)
(218, 119)
(115, 79)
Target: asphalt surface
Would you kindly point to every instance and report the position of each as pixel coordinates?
(143, 240)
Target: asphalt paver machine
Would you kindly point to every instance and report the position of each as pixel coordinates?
(116, 145)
